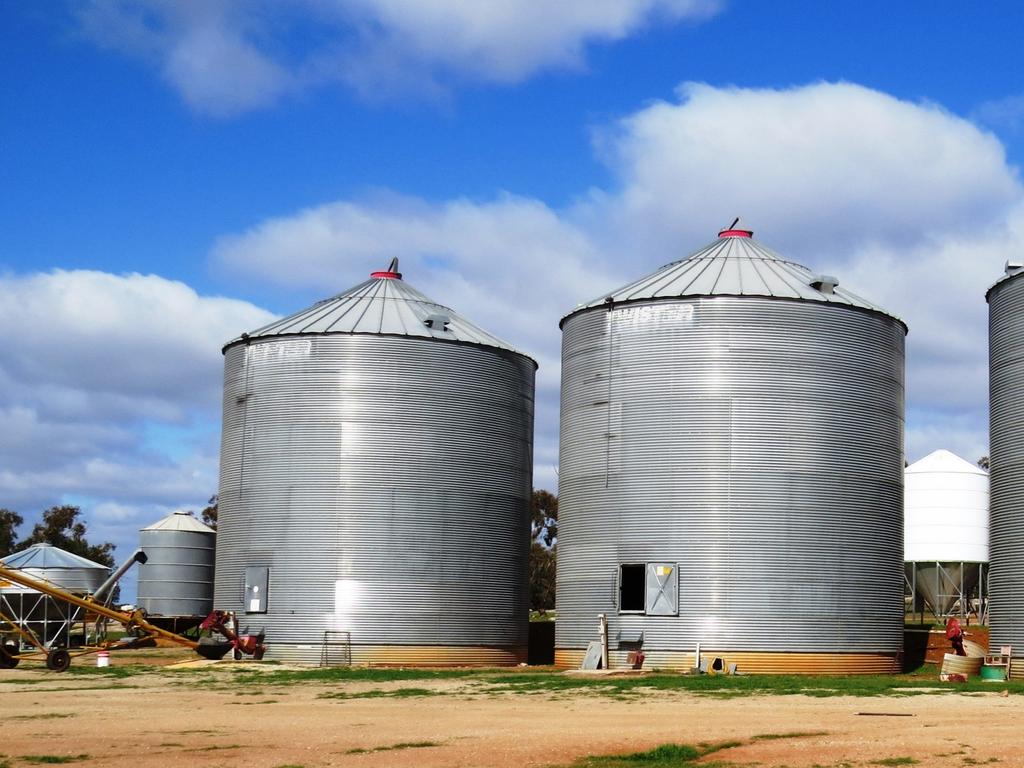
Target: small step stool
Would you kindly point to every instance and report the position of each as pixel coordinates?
(1003, 659)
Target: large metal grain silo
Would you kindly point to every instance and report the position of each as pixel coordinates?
(176, 581)
(1006, 463)
(376, 471)
(731, 469)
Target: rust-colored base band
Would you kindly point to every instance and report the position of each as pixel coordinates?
(751, 662)
(398, 655)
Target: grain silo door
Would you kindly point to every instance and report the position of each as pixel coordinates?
(662, 589)
(256, 581)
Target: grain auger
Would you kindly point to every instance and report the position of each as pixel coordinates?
(18, 640)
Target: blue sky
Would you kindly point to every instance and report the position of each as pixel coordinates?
(172, 174)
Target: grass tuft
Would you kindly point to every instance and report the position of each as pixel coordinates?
(895, 761)
(789, 735)
(664, 756)
(391, 747)
(54, 759)
(379, 693)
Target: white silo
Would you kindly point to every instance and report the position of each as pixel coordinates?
(946, 532)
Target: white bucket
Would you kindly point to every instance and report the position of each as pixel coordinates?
(103, 659)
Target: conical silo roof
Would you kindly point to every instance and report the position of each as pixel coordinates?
(735, 264)
(944, 461)
(63, 569)
(179, 521)
(383, 305)
(45, 556)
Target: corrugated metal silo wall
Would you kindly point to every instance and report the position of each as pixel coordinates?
(1006, 468)
(177, 579)
(385, 482)
(757, 443)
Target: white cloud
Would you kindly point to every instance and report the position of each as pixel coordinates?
(91, 366)
(826, 166)
(229, 56)
(1006, 114)
(908, 204)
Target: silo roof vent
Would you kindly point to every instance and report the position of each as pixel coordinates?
(736, 229)
(824, 283)
(1013, 267)
(437, 322)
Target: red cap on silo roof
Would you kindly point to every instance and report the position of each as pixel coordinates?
(736, 229)
(391, 273)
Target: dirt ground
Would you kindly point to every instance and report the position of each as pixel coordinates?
(198, 717)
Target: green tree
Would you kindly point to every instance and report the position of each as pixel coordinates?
(983, 462)
(543, 549)
(61, 527)
(9, 522)
(209, 513)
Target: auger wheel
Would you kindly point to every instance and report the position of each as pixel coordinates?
(58, 660)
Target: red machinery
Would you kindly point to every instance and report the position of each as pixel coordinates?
(226, 624)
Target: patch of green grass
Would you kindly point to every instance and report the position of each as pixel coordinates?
(390, 747)
(664, 756)
(107, 687)
(895, 761)
(54, 759)
(972, 761)
(724, 686)
(126, 670)
(171, 744)
(379, 693)
(348, 675)
(46, 716)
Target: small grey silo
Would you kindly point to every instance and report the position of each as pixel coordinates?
(1006, 462)
(731, 468)
(177, 579)
(376, 471)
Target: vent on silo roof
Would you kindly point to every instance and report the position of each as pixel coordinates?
(824, 283)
